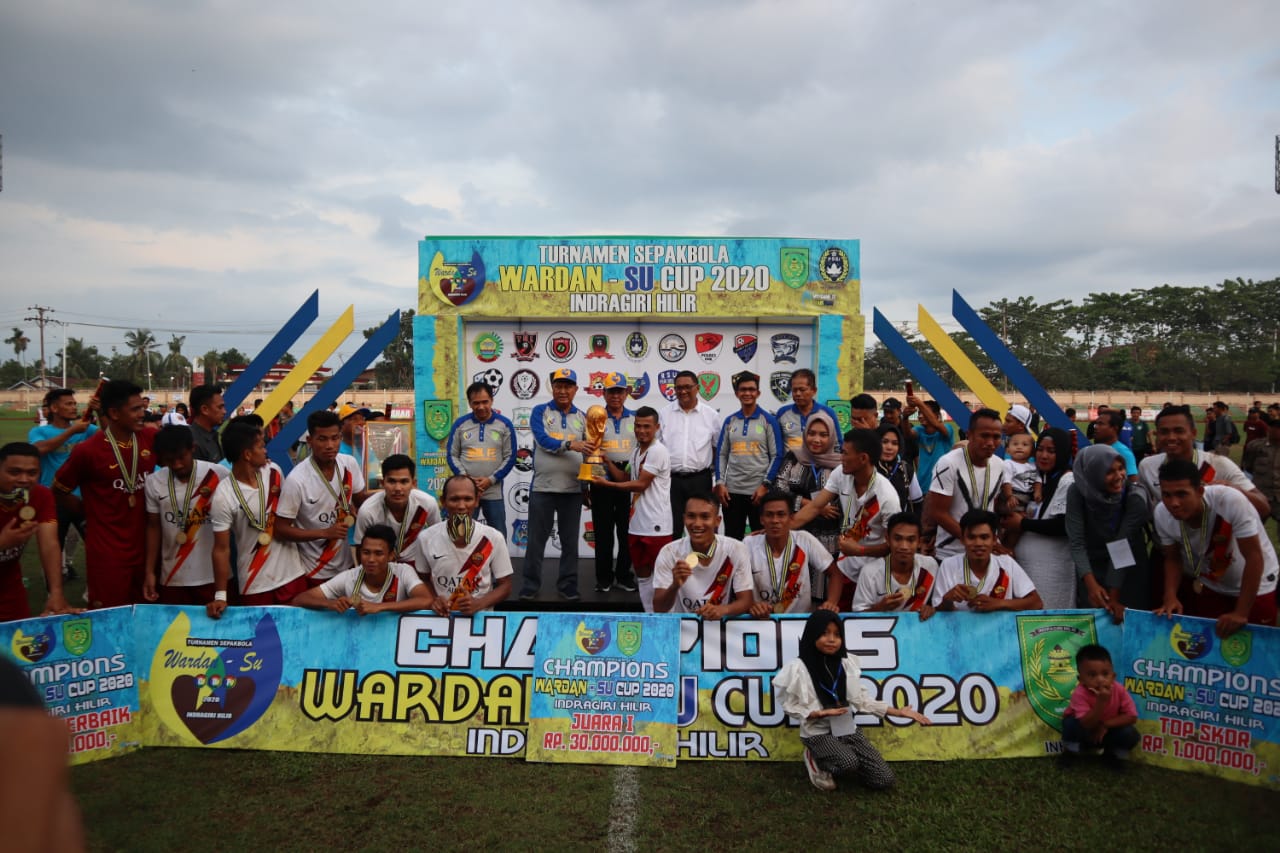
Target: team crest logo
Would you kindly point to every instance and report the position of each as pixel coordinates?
(589, 535)
(638, 385)
(629, 637)
(77, 635)
(1049, 645)
(637, 346)
(520, 415)
(456, 283)
(599, 347)
(708, 385)
(844, 414)
(526, 345)
(672, 347)
(437, 417)
(213, 689)
(744, 347)
(595, 387)
(520, 533)
(834, 266)
(33, 647)
(488, 347)
(780, 385)
(1193, 644)
(785, 347)
(667, 384)
(525, 384)
(708, 345)
(561, 346)
(491, 377)
(1237, 649)
(793, 265)
(592, 640)
(518, 498)
(524, 460)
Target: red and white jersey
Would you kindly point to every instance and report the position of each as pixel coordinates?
(451, 566)
(115, 532)
(1004, 579)
(877, 581)
(190, 562)
(864, 516)
(1214, 470)
(968, 487)
(259, 567)
(786, 577)
(313, 504)
(421, 513)
(400, 581)
(728, 574)
(651, 509)
(1231, 518)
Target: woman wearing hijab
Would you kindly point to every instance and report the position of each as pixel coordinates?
(1042, 543)
(1105, 520)
(895, 467)
(822, 688)
(802, 475)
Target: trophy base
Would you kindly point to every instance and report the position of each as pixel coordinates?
(588, 471)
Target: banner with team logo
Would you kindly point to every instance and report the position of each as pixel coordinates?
(1205, 703)
(509, 310)
(83, 667)
(280, 678)
(604, 690)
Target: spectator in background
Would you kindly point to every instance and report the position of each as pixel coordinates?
(1106, 430)
(862, 412)
(794, 417)
(1254, 426)
(1140, 430)
(1224, 429)
(1105, 521)
(482, 445)
(1210, 439)
(55, 439)
(934, 437)
(895, 416)
(1041, 548)
(803, 474)
(896, 468)
(1261, 461)
(207, 414)
(1071, 414)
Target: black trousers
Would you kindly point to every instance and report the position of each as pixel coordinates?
(736, 515)
(610, 512)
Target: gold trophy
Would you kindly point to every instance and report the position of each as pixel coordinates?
(593, 464)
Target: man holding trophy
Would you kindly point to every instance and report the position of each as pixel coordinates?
(560, 440)
(611, 507)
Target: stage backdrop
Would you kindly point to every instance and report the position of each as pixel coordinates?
(510, 310)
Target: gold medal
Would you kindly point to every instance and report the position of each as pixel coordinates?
(181, 537)
(691, 561)
(348, 520)
(264, 538)
(1197, 587)
(133, 501)
(27, 513)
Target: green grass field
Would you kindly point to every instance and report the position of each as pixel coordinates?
(164, 799)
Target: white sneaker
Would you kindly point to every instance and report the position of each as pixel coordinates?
(821, 779)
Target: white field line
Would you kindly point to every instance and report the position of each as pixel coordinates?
(622, 812)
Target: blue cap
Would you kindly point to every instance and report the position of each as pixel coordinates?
(564, 374)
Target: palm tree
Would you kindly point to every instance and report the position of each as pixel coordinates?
(19, 341)
(142, 346)
(82, 362)
(213, 365)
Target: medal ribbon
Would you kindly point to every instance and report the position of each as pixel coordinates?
(1196, 562)
(720, 584)
(923, 586)
(888, 579)
(790, 587)
(853, 501)
(340, 495)
(471, 577)
(389, 586)
(192, 526)
(186, 500)
(973, 480)
(415, 525)
(260, 551)
(130, 477)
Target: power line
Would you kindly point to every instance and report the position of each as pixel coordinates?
(40, 320)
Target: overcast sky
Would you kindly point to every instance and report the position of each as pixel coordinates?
(205, 166)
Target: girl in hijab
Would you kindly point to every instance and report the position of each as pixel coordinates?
(802, 475)
(822, 688)
(1105, 520)
(1042, 548)
(895, 468)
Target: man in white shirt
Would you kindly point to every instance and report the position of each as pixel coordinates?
(1175, 439)
(689, 430)
(783, 560)
(965, 479)
(703, 573)
(465, 563)
(376, 584)
(1212, 535)
(179, 499)
(977, 578)
(400, 505)
(649, 527)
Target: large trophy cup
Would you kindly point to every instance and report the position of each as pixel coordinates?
(593, 464)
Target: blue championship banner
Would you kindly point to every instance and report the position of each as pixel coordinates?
(604, 690)
(1205, 703)
(84, 669)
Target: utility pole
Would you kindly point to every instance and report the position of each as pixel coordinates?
(40, 319)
